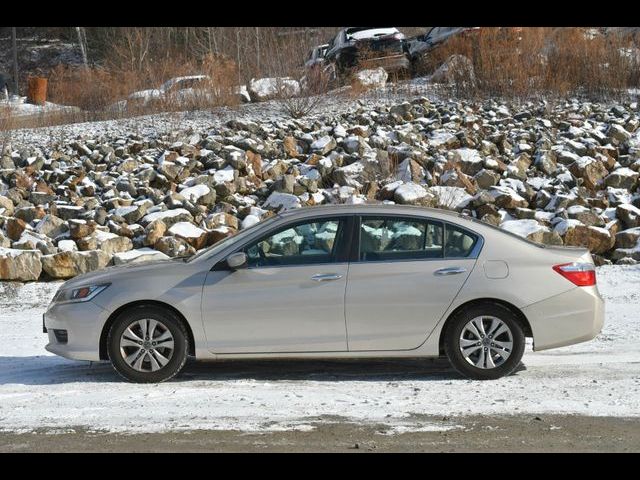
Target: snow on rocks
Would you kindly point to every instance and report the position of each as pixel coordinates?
(193, 194)
(138, 255)
(168, 217)
(112, 188)
(527, 228)
(284, 201)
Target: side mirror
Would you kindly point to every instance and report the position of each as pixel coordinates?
(237, 260)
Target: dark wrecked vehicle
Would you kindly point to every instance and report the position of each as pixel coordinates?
(421, 44)
(316, 57)
(318, 74)
(367, 47)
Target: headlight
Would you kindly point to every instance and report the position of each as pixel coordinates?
(79, 294)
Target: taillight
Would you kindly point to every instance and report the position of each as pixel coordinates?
(580, 274)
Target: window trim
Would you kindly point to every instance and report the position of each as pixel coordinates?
(355, 246)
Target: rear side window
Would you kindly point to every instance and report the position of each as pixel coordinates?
(398, 238)
(458, 242)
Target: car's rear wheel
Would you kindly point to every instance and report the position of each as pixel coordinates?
(484, 342)
(147, 344)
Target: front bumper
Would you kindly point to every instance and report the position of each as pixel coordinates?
(572, 317)
(83, 322)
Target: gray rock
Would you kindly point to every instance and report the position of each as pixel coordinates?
(51, 226)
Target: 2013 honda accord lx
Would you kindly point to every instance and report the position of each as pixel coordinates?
(344, 281)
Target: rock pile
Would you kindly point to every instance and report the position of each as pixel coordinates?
(566, 174)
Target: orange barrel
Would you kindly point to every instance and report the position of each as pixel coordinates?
(37, 90)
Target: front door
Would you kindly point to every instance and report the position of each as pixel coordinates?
(290, 298)
(407, 273)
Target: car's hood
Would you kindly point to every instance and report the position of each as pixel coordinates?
(108, 274)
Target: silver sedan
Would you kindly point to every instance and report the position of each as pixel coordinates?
(352, 281)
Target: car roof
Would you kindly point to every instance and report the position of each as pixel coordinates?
(369, 208)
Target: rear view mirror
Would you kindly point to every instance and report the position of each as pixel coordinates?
(237, 260)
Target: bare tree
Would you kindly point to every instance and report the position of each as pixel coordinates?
(14, 46)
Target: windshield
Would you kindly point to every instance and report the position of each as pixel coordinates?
(218, 246)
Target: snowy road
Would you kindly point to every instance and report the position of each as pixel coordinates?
(38, 390)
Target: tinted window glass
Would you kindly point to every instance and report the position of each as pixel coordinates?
(394, 238)
(458, 242)
(312, 242)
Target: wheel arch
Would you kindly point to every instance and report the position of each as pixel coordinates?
(520, 316)
(154, 303)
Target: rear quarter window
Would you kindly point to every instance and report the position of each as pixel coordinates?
(458, 242)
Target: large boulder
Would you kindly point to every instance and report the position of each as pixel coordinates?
(284, 201)
(628, 238)
(324, 145)
(138, 256)
(410, 194)
(20, 265)
(457, 69)
(111, 243)
(622, 178)
(81, 228)
(168, 217)
(468, 159)
(370, 78)
(507, 197)
(15, 227)
(51, 226)
(629, 214)
(597, 240)
(262, 89)
(68, 264)
(194, 236)
(590, 170)
(173, 246)
(527, 228)
(6, 206)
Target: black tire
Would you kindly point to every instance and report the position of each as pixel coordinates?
(454, 330)
(172, 323)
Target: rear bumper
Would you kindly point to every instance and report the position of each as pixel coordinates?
(571, 317)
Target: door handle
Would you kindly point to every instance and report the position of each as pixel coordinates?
(326, 277)
(450, 271)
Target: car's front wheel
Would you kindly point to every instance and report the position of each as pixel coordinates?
(484, 342)
(147, 344)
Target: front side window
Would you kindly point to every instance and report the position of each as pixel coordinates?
(312, 242)
(394, 238)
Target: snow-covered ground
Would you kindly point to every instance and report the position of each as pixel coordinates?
(38, 390)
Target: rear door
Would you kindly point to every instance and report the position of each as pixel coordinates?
(408, 271)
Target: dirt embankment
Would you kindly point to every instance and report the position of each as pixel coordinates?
(526, 433)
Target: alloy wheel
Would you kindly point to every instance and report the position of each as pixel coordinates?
(146, 345)
(486, 342)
